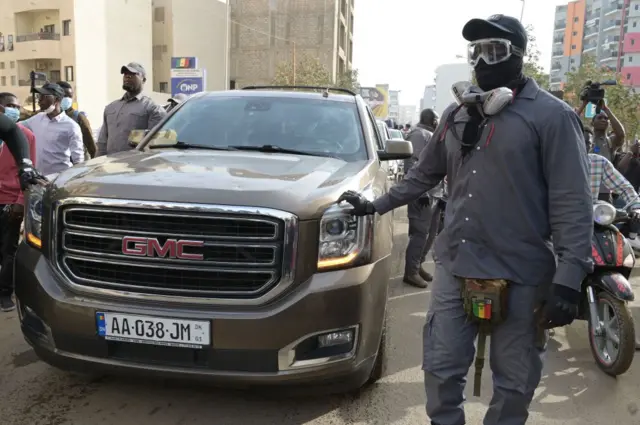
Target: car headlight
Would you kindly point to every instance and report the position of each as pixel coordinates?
(345, 240)
(604, 214)
(33, 216)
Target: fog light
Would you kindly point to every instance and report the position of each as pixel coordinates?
(335, 338)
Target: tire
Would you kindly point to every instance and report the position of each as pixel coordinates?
(380, 364)
(626, 331)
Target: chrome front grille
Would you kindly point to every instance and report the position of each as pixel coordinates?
(150, 249)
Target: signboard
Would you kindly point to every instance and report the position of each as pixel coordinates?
(186, 62)
(590, 110)
(377, 98)
(187, 81)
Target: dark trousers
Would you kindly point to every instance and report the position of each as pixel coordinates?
(9, 237)
(419, 218)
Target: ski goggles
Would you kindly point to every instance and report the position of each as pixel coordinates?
(492, 51)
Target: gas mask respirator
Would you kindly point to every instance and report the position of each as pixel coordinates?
(487, 103)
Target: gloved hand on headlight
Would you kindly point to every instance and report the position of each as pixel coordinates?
(561, 307)
(361, 206)
(29, 176)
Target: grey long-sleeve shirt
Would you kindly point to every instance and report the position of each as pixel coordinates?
(123, 115)
(526, 180)
(419, 136)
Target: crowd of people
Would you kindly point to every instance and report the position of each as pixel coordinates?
(59, 137)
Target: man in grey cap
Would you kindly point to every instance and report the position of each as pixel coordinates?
(518, 177)
(134, 111)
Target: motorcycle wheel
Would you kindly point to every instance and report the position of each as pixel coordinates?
(615, 349)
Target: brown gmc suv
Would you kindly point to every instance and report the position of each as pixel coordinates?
(216, 250)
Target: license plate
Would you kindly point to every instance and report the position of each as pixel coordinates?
(153, 330)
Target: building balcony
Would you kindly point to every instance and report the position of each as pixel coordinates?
(37, 46)
(591, 31)
(611, 25)
(34, 5)
(612, 9)
(558, 40)
(560, 25)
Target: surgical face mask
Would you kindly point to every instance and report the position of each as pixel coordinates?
(50, 109)
(66, 103)
(12, 113)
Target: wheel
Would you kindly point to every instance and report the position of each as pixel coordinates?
(615, 348)
(381, 358)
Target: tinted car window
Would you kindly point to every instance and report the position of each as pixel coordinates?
(310, 125)
(383, 129)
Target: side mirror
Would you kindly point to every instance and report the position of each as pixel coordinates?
(396, 149)
(136, 136)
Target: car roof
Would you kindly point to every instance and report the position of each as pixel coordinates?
(333, 97)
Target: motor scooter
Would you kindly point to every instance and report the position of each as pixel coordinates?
(606, 291)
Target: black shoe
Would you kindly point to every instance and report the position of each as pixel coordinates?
(7, 304)
(415, 280)
(425, 274)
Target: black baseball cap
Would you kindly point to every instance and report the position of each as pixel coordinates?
(134, 68)
(497, 26)
(50, 89)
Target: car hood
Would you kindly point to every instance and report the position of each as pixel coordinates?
(303, 185)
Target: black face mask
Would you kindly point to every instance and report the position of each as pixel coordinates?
(502, 74)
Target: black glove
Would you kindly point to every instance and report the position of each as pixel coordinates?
(561, 308)
(425, 201)
(29, 176)
(361, 206)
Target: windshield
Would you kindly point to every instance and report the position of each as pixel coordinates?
(382, 128)
(311, 125)
(396, 134)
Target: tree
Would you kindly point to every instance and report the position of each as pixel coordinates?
(622, 99)
(532, 66)
(309, 71)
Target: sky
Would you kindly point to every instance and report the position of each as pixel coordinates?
(401, 42)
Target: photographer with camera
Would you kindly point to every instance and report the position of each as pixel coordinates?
(603, 145)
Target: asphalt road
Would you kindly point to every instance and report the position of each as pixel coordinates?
(572, 391)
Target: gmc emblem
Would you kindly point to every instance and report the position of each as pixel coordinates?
(151, 247)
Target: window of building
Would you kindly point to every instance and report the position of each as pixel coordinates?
(13, 80)
(635, 23)
(164, 87)
(158, 14)
(629, 75)
(54, 76)
(637, 7)
(575, 33)
(3, 81)
(575, 19)
(232, 85)
(66, 27)
(573, 47)
(12, 64)
(68, 73)
(49, 28)
(633, 42)
(1, 65)
(573, 60)
(272, 28)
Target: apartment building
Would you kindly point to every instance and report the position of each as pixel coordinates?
(408, 114)
(607, 29)
(193, 28)
(428, 100)
(446, 76)
(265, 33)
(394, 104)
(79, 41)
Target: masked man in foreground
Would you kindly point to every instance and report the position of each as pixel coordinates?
(517, 176)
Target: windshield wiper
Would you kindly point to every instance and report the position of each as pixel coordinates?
(278, 149)
(185, 145)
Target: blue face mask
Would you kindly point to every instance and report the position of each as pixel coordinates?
(66, 103)
(12, 113)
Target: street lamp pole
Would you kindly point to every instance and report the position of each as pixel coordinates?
(522, 11)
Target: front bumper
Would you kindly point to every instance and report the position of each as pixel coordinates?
(249, 345)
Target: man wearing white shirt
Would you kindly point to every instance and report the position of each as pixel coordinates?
(58, 138)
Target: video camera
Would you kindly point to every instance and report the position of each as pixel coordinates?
(594, 92)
